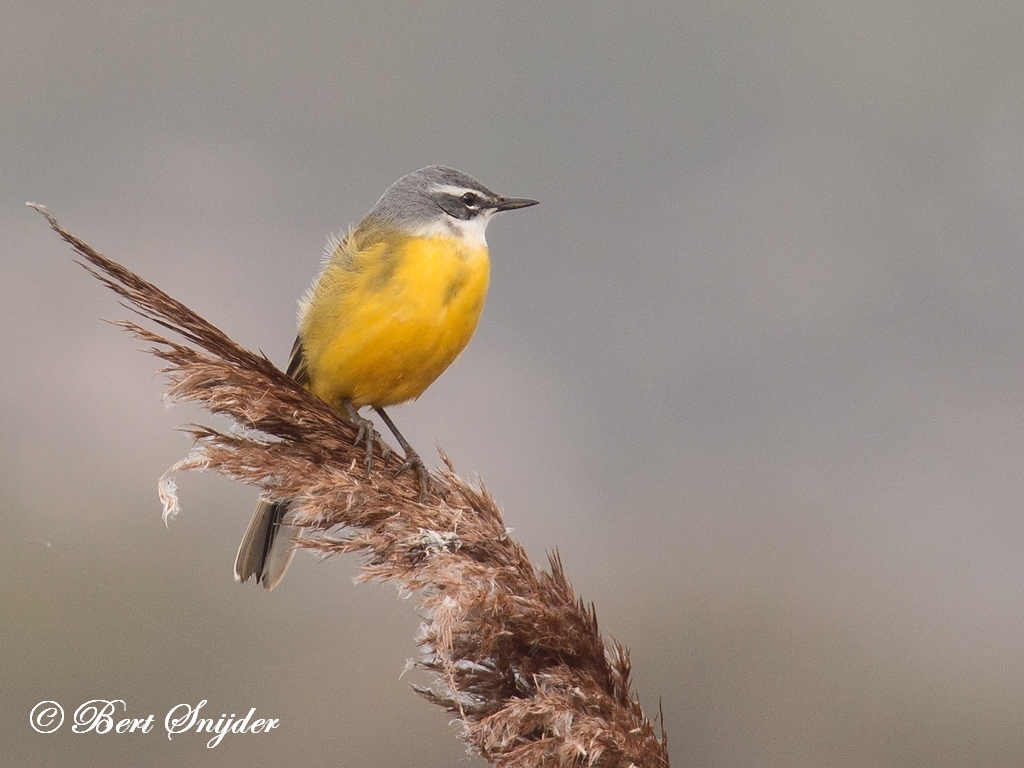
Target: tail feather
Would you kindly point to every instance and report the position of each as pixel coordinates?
(267, 546)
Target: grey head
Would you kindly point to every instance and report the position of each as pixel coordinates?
(437, 199)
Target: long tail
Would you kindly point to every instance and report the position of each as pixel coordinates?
(267, 546)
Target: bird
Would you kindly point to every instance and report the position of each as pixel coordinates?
(396, 301)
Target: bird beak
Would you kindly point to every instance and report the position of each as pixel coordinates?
(511, 203)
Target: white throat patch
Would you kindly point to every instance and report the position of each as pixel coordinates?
(471, 230)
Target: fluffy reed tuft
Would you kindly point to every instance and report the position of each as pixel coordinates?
(517, 657)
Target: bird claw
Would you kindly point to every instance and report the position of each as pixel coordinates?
(413, 461)
(365, 437)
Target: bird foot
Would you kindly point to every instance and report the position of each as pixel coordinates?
(366, 436)
(413, 461)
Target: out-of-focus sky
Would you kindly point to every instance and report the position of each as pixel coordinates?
(754, 365)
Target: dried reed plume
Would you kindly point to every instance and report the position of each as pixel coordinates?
(517, 656)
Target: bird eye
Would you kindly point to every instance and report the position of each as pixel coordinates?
(471, 199)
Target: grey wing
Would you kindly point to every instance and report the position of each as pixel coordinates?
(297, 363)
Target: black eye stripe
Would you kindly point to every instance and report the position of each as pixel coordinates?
(455, 206)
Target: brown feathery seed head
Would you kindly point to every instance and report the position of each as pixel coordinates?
(517, 657)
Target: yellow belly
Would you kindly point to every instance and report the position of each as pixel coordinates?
(384, 321)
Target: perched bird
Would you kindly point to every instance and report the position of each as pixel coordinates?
(397, 300)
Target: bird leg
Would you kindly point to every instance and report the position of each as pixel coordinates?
(412, 459)
(366, 434)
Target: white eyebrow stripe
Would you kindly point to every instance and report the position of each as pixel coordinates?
(453, 190)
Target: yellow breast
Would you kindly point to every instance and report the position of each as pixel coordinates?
(389, 314)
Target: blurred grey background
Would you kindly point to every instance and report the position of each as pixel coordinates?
(754, 365)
